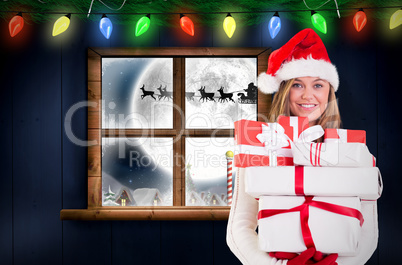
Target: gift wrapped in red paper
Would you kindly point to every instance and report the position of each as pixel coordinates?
(332, 154)
(341, 148)
(295, 223)
(269, 144)
(252, 148)
(293, 125)
(344, 136)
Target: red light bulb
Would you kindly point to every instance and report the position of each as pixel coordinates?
(359, 20)
(16, 24)
(187, 25)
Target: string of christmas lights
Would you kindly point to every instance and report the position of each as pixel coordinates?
(16, 24)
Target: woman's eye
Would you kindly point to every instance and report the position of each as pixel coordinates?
(297, 85)
(318, 86)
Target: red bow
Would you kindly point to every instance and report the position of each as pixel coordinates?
(304, 215)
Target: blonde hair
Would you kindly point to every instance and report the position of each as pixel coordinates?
(330, 118)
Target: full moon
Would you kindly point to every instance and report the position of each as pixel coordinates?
(156, 113)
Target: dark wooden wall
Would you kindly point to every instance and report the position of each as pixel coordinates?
(42, 171)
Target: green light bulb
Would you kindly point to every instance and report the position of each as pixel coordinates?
(142, 25)
(319, 22)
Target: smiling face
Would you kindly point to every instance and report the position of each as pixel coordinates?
(308, 97)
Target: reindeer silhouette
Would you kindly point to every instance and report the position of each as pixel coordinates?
(190, 95)
(206, 96)
(225, 96)
(164, 94)
(146, 93)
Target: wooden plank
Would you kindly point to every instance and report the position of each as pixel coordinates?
(147, 213)
(138, 132)
(94, 191)
(7, 93)
(171, 37)
(264, 100)
(94, 66)
(222, 253)
(178, 164)
(126, 37)
(178, 125)
(174, 51)
(183, 168)
(37, 122)
(144, 243)
(94, 104)
(244, 36)
(187, 241)
(179, 94)
(388, 156)
(75, 77)
(210, 133)
(358, 95)
(167, 132)
(87, 243)
(94, 153)
(83, 242)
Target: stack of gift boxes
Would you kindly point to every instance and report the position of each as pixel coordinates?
(309, 193)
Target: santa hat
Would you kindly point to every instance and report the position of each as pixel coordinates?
(303, 55)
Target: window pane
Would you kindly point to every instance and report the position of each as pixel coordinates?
(207, 171)
(206, 107)
(137, 93)
(137, 171)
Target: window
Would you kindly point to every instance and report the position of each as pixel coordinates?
(162, 122)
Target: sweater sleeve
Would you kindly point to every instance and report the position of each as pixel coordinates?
(368, 238)
(241, 236)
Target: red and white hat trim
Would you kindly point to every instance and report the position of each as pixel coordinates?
(269, 84)
(303, 55)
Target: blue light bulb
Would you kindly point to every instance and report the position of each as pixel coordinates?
(106, 26)
(274, 25)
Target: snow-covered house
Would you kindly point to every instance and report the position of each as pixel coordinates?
(125, 198)
(215, 200)
(147, 197)
(193, 199)
(224, 198)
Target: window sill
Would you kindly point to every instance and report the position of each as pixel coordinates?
(147, 213)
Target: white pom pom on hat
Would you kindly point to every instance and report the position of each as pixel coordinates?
(303, 55)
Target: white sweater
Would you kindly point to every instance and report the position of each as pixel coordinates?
(242, 238)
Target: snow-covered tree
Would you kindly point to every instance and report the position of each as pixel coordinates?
(189, 180)
(190, 187)
(109, 199)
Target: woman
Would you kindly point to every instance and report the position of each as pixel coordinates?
(305, 81)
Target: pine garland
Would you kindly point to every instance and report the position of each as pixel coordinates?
(205, 10)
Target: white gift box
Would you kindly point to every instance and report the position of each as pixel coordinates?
(331, 232)
(332, 155)
(365, 183)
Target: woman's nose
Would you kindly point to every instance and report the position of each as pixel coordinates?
(307, 93)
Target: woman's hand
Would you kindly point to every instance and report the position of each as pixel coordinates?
(309, 256)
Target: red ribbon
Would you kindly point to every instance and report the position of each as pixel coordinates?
(304, 215)
(317, 156)
(299, 180)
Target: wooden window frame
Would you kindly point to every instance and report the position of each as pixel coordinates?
(95, 210)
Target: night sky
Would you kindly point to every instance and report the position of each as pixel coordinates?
(142, 172)
(120, 76)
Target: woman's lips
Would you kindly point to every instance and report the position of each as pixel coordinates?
(307, 106)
